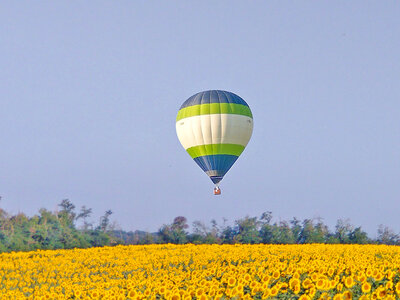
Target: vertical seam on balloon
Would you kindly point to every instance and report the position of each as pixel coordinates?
(213, 147)
(221, 123)
(200, 142)
(213, 156)
(201, 124)
(230, 107)
(211, 131)
(193, 134)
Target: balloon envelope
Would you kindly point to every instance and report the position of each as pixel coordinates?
(214, 127)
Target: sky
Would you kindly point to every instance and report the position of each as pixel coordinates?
(89, 93)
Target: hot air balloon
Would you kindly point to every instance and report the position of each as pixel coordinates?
(214, 127)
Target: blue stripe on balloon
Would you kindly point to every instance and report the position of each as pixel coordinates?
(214, 96)
(218, 165)
(216, 179)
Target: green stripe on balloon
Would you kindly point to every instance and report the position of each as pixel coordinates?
(214, 149)
(214, 108)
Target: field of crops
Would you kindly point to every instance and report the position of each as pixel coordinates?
(204, 272)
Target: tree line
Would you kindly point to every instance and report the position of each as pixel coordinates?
(256, 230)
(60, 230)
(55, 230)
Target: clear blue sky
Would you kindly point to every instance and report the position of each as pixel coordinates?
(89, 93)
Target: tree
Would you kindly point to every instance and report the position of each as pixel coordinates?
(248, 230)
(358, 236)
(311, 233)
(343, 229)
(204, 234)
(67, 213)
(321, 232)
(50, 230)
(105, 221)
(285, 234)
(387, 236)
(213, 235)
(199, 234)
(99, 238)
(228, 235)
(148, 239)
(166, 234)
(174, 233)
(296, 229)
(178, 229)
(84, 214)
(266, 217)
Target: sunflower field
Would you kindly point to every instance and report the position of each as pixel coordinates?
(167, 271)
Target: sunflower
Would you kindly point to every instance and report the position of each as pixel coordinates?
(231, 281)
(77, 293)
(379, 276)
(347, 295)
(266, 278)
(297, 289)
(382, 293)
(349, 282)
(314, 277)
(274, 291)
(264, 286)
(338, 297)
(266, 294)
(398, 288)
(324, 296)
(312, 291)
(199, 292)
(389, 285)
(276, 275)
(306, 283)
(176, 297)
(235, 291)
(253, 284)
(339, 287)
(320, 284)
(293, 282)
(332, 284)
(366, 287)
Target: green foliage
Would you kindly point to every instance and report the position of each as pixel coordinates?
(202, 234)
(253, 230)
(387, 236)
(53, 230)
(248, 230)
(358, 236)
(59, 230)
(343, 229)
(175, 232)
(278, 233)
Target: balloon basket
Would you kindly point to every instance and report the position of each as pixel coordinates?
(217, 191)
